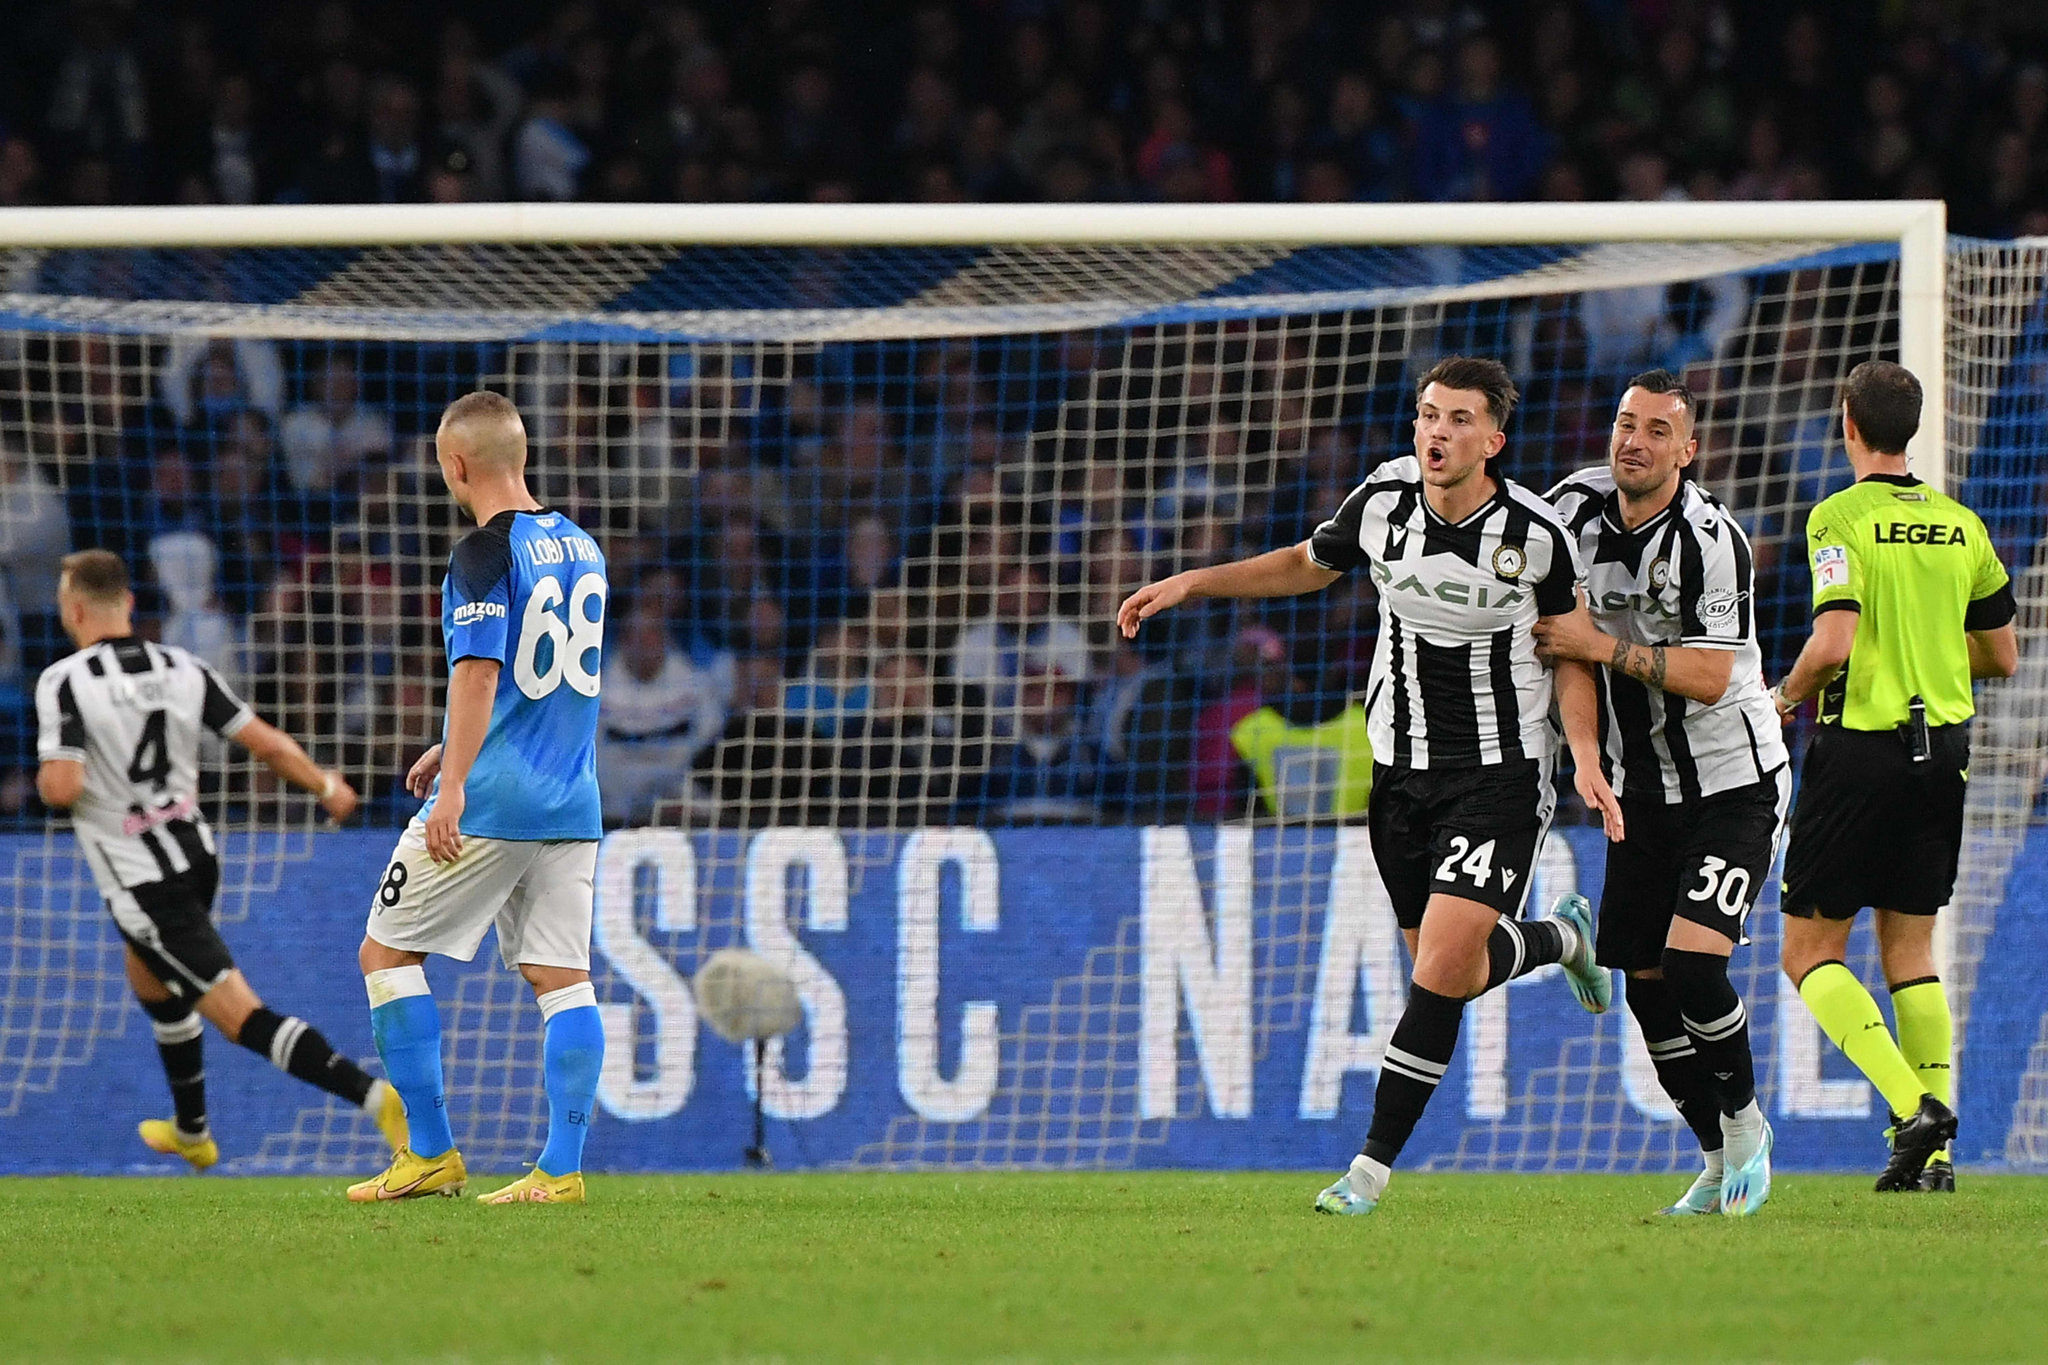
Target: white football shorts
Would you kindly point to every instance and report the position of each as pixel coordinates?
(538, 893)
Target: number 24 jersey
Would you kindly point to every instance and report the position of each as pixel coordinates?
(528, 590)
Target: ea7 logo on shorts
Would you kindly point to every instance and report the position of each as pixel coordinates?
(1831, 567)
(1718, 604)
(469, 613)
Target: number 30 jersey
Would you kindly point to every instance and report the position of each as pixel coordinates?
(528, 590)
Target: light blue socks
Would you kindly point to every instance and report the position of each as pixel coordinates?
(572, 1056)
(407, 1028)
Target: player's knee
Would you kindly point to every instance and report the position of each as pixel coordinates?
(1691, 971)
(373, 956)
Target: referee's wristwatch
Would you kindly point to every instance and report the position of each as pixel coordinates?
(1781, 701)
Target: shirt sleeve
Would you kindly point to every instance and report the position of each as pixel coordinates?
(1557, 591)
(1837, 579)
(477, 596)
(1714, 586)
(60, 728)
(1335, 544)
(1991, 600)
(221, 711)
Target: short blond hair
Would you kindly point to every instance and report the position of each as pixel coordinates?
(99, 576)
(490, 424)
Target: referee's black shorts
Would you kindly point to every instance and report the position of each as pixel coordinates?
(169, 924)
(1703, 860)
(1874, 828)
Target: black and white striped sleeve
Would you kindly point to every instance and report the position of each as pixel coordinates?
(1576, 500)
(1337, 543)
(1714, 590)
(1557, 591)
(221, 710)
(60, 727)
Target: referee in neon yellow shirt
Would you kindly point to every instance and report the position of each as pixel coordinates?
(1910, 604)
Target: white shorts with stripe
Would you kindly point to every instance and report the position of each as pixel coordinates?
(538, 893)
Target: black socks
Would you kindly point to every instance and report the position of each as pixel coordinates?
(1716, 1021)
(179, 1044)
(1417, 1057)
(297, 1049)
(1679, 1069)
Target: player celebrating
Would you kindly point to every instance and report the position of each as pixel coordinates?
(1466, 562)
(1696, 757)
(119, 747)
(510, 827)
(1909, 604)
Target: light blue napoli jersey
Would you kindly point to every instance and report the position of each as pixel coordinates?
(528, 589)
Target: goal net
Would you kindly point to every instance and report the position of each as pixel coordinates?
(868, 509)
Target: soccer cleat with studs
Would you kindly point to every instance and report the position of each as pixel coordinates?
(1702, 1197)
(1356, 1192)
(1914, 1140)
(1939, 1177)
(538, 1187)
(164, 1135)
(411, 1176)
(390, 1117)
(1591, 985)
(1747, 1187)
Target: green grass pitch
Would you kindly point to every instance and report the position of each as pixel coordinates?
(1100, 1266)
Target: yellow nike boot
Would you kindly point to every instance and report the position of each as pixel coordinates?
(538, 1187)
(410, 1176)
(162, 1135)
(389, 1114)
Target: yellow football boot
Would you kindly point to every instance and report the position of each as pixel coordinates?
(390, 1117)
(538, 1187)
(413, 1177)
(162, 1135)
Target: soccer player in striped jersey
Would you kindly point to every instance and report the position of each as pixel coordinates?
(1693, 749)
(118, 745)
(508, 835)
(1458, 705)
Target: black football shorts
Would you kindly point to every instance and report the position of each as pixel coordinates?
(1703, 860)
(1469, 832)
(169, 924)
(1873, 828)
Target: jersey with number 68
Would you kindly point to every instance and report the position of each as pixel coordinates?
(528, 590)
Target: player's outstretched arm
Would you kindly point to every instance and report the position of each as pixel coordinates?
(1697, 674)
(1286, 572)
(280, 753)
(472, 689)
(1578, 705)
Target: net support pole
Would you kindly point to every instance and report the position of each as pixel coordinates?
(1923, 320)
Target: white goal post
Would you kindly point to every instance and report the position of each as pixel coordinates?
(1919, 227)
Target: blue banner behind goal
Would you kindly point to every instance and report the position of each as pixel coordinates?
(1058, 999)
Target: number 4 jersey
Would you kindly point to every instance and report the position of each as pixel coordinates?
(131, 712)
(528, 590)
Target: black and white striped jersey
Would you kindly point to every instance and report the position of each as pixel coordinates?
(1455, 680)
(1681, 578)
(131, 712)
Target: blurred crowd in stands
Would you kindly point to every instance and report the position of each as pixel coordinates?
(873, 585)
(332, 101)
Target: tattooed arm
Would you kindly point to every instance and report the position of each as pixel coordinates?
(1684, 670)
